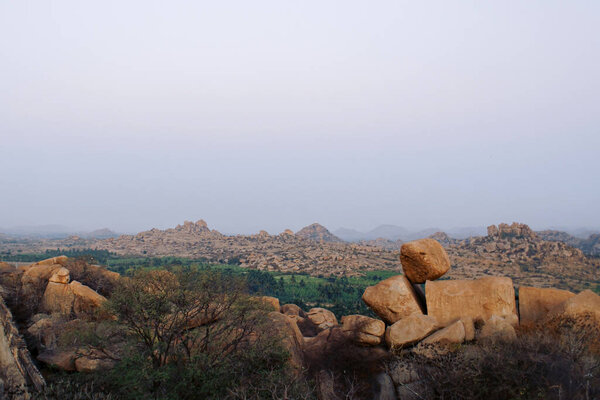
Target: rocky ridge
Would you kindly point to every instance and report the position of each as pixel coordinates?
(517, 251)
(319, 233)
(286, 252)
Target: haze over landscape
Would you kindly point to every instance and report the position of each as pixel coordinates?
(270, 115)
(276, 200)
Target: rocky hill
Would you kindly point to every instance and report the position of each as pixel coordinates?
(589, 246)
(312, 250)
(515, 250)
(319, 233)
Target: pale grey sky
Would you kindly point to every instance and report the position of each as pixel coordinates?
(276, 114)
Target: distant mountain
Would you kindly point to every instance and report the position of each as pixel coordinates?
(390, 232)
(590, 245)
(349, 235)
(103, 233)
(56, 232)
(319, 233)
(39, 231)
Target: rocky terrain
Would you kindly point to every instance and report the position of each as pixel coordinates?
(313, 250)
(513, 250)
(318, 233)
(516, 251)
(589, 246)
(411, 325)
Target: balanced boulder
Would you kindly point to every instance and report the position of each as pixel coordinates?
(363, 330)
(392, 299)
(424, 260)
(478, 299)
(409, 330)
(536, 303)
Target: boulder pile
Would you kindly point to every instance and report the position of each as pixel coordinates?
(446, 312)
(57, 303)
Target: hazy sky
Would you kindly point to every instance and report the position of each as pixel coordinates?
(276, 114)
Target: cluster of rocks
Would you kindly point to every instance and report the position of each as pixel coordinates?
(62, 304)
(447, 313)
(517, 251)
(312, 250)
(589, 246)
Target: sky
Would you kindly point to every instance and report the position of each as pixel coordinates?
(277, 114)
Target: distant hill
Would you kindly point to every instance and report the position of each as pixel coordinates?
(318, 233)
(394, 233)
(103, 233)
(589, 246)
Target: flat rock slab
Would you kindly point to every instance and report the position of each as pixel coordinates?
(586, 302)
(409, 330)
(453, 333)
(478, 299)
(536, 303)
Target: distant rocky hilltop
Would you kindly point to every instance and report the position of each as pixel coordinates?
(589, 246)
(516, 250)
(312, 250)
(318, 233)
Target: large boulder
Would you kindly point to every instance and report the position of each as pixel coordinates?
(63, 297)
(363, 330)
(392, 299)
(478, 299)
(271, 302)
(453, 333)
(6, 268)
(536, 303)
(87, 300)
(62, 359)
(322, 318)
(58, 298)
(290, 335)
(36, 276)
(293, 310)
(92, 361)
(424, 260)
(409, 330)
(586, 302)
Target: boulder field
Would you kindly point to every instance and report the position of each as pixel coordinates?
(446, 313)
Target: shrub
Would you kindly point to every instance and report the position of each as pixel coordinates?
(556, 361)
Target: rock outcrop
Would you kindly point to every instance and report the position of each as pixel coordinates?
(393, 299)
(318, 233)
(65, 297)
(478, 299)
(536, 303)
(586, 302)
(424, 260)
(453, 333)
(322, 318)
(18, 373)
(410, 330)
(363, 330)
